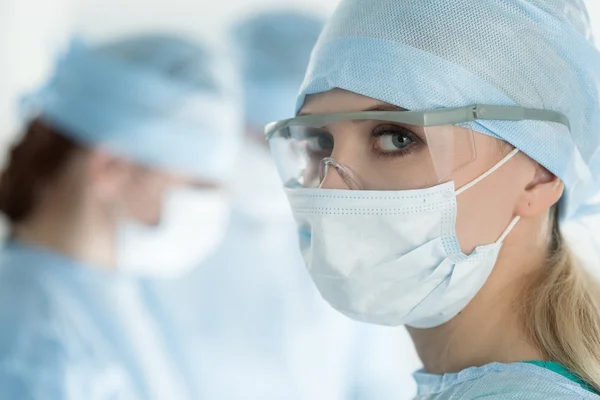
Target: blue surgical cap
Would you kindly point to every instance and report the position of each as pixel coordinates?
(273, 49)
(157, 100)
(428, 54)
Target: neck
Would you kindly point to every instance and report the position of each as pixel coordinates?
(74, 231)
(491, 327)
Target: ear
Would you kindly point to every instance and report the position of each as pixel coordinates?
(107, 174)
(544, 190)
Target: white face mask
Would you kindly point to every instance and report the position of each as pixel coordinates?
(193, 224)
(391, 257)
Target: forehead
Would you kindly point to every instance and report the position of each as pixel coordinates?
(339, 100)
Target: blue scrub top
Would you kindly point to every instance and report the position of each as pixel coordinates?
(497, 381)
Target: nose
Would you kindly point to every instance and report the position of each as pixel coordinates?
(333, 180)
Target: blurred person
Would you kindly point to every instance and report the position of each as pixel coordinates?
(432, 166)
(265, 332)
(118, 180)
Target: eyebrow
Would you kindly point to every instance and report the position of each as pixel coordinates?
(378, 107)
(385, 107)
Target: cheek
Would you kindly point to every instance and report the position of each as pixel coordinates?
(144, 201)
(486, 209)
(484, 212)
(142, 207)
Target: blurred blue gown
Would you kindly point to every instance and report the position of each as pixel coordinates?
(69, 331)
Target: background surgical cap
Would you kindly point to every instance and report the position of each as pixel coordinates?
(428, 54)
(273, 50)
(157, 100)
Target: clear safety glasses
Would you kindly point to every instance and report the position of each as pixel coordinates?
(385, 150)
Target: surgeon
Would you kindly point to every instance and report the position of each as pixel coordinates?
(262, 330)
(438, 149)
(119, 178)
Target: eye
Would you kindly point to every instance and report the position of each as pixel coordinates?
(391, 140)
(394, 141)
(319, 143)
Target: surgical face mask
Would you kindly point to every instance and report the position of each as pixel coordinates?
(193, 224)
(391, 257)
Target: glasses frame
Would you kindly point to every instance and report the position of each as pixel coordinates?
(446, 116)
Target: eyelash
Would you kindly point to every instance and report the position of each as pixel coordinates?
(382, 130)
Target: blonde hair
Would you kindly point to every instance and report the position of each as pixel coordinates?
(563, 312)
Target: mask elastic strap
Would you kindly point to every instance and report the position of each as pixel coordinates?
(509, 229)
(488, 173)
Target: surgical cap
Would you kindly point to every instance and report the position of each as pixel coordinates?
(273, 51)
(428, 54)
(159, 101)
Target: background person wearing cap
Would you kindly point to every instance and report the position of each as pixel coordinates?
(265, 332)
(117, 180)
(439, 149)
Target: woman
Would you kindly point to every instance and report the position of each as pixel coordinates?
(447, 218)
(117, 178)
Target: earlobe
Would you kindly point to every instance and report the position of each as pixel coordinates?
(540, 194)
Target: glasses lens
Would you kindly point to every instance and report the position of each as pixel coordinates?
(381, 155)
